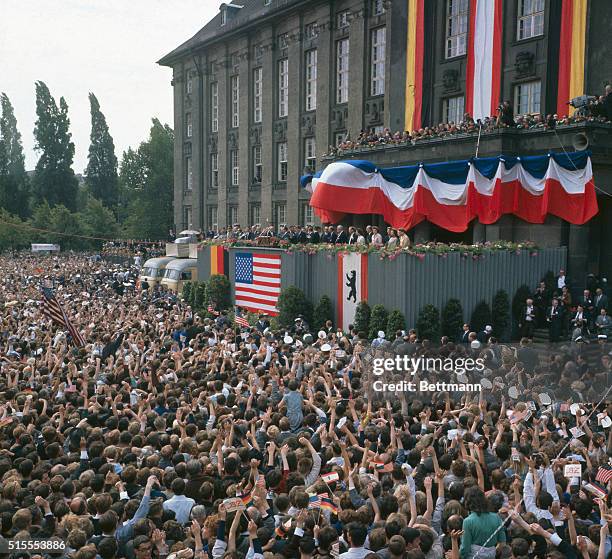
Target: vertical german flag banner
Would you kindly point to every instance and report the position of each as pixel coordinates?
(219, 260)
(418, 63)
(571, 52)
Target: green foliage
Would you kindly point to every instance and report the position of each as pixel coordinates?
(395, 322)
(452, 318)
(12, 235)
(54, 180)
(199, 296)
(501, 314)
(518, 302)
(481, 316)
(147, 183)
(99, 221)
(428, 323)
(187, 293)
(362, 317)
(323, 312)
(218, 292)
(14, 183)
(378, 321)
(101, 173)
(291, 303)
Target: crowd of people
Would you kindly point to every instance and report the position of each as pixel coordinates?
(382, 237)
(599, 110)
(173, 435)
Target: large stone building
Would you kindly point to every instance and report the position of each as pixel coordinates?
(263, 90)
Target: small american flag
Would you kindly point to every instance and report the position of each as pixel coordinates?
(261, 481)
(240, 320)
(314, 502)
(604, 474)
(53, 310)
(257, 281)
(211, 309)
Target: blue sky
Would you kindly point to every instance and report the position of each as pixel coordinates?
(109, 47)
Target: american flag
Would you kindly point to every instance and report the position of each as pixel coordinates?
(55, 312)
(604, 474)
(314, 502)
(211, 309)
(258, 281)
(240, 320)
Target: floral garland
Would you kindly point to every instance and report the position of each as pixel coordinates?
(477, 251)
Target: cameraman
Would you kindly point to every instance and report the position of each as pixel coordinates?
(505, 115)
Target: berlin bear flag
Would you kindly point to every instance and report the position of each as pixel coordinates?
(352, 286)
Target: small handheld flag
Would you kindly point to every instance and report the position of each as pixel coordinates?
(604, 474)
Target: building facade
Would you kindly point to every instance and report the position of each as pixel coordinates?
(263, 90)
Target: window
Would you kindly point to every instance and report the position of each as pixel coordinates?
(232, 215)
(530, 19)
(257, 166)
(189, 86)
(342, 19)
(456, 27)
(189, 173)
(223, 16)
(527, 97)
(212, 217)
(378, 130)
(378, 61)
(214, 170)
(235, 166)
(454, 109)
(257, 93)
(310, 154)
(339, 137)
(235, 81)
(214, 106)
(378, 7)
(311, 31)
(282, 161)
(307, 215)
(281, 214)
(283, 40)
(283, 87)
(255, 214)
(342, 70)
(188, 125)
(311, 80)
(187, 217)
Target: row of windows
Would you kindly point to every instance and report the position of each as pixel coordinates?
(310, 159)
(377, 82)
(530, 23)
(280, 215)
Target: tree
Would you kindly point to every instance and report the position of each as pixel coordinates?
(101, 172)
(188, 291)
(12, 233)
(518, 302)
(292, 302)
(147, 178)
(481, 316)
(99, 221)
(199, 296)
(218, 292)
(362, 317)
(378, 321)
(323, 312)
(13, 178)
(395, 322)
(54, 180)
(428, 323)
(501, 314)
(452, 318)
(69, 228)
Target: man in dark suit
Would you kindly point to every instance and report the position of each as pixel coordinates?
(586, 301)
(554, 320)
(600, 302)
(464, 336)
(352, 238)
(341, 236)
(483, 337)
(528, 319)
(527, 355)
(284, 234)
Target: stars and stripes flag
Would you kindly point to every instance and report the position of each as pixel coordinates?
(604, 474)
(211, 309)
(257, 281)
(53, 310)
(241, 320)
(314, 501)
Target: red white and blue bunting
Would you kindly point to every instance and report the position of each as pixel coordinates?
(452, 194)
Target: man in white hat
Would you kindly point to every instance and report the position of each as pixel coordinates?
(379, 340)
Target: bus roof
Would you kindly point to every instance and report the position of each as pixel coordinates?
(182, 264)
(157, 262)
